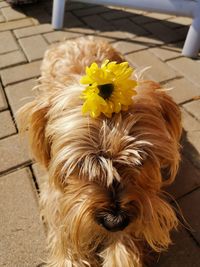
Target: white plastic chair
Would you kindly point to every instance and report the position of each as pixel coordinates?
(187, 8)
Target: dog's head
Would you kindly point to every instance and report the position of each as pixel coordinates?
(108, 171)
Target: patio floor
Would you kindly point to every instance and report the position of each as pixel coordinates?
(146, 39)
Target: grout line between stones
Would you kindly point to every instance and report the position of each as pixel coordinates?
(192, 237)
(20, 48)
(192, 115)
(23, 80)
(21, 27)
(34, 179)
(188, 193)
(5, 53)
(163, 83)
(9, 135)
(15, 168)
(186, 102)
(10, 109)
(80, 18)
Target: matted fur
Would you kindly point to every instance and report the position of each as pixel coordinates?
(84, 158)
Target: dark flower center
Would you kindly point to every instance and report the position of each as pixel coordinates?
(105, 90)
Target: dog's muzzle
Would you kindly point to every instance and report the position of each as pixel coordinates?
(113, 221)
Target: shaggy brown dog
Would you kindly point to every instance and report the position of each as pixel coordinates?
(103, 197)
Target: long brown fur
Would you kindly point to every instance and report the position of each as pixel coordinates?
(84, 157)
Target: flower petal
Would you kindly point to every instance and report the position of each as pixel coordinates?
(86, 80)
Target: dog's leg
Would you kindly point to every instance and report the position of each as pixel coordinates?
(60, 254)
(57, 256)
(49, 210)
(120, 254)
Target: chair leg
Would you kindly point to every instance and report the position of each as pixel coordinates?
(192, 44)
(58, 14)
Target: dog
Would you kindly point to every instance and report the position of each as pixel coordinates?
(103, 201)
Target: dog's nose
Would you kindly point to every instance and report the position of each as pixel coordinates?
(113, 221)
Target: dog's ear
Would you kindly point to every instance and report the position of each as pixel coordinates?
(33, 117)
(172, 117)
(168, 111)
(171, 114)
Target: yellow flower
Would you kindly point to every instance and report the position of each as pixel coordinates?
(110, 88)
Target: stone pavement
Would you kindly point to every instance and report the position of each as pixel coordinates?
(147, 39)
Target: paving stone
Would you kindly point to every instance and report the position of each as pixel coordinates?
(82, 30)
(20, 73)
(148, 41)
(171, 24)
(7, 124)
(182, 90)
(103, 38)
(12, 58)
(191, 213)
(3, 4)
(159, 71)
(2, 19)
(188, 68)
(11, 25)
(40, 173)
(34, 30)
(22, 235)
(186, 180)
(77, 5)
(193, 107)
(34, 47)
(119, 8)
(166, 52)
(98, 23)
(7, 42)
(40, 14)
(134, 11)
(158, 16)
(181, 20)
(128, 26)
(182, 32)
(116, 14)
(162, 32)
(71, 21)
(14, 152)
(183, 252)
(19, 94)
(118, 35)
(3, 103)
(176, 46)
(191, 138)
(57, 36)
(189, 122)
(142, 19)
(12, 14)
(90, 11)
(126, 47)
